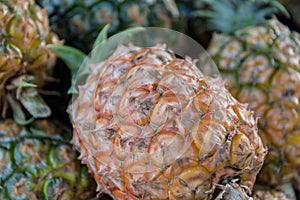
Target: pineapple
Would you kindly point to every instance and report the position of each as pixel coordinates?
(269, 195)
(260, 60)
(37, 162)
(78, 21)
(150, 125)
(26, 62)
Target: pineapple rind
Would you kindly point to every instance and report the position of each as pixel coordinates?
(149, 91)
(261, 65)
(37, 162)
(269, 194)
(24, 55)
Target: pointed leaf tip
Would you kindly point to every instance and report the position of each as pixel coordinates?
(34, 103)
(26, 84)
(18, 114)
(71, 56)
(102, 36)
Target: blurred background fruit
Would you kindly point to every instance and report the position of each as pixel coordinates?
(32, 83)
(78, 22)
(26, 64)
(37, 162)
(260, 60)
(269, 194)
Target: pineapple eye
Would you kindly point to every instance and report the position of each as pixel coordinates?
(111, 133)
(288, 93)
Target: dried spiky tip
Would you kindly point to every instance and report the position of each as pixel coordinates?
(24, 55)
(152, 126)
(228, 16)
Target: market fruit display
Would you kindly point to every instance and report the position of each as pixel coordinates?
(148, 122)
(26, 63)
(78, 22)
(150, 125)
(38, 163)
(261, 64)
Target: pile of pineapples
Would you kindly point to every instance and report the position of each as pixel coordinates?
(36, 159)
(242, 133)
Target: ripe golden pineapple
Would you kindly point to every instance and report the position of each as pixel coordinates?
(261, 64)
(38, 163)
(150, 125)
(26, 62)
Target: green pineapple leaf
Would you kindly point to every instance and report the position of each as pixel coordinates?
(72, 89)
(227, 16)
(34, 103)
(71, 56)
(278, 7)
(74, 58)
(18, 114)
(26, 84)
(102, 36)
(112, 45)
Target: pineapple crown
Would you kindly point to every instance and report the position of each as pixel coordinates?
(74, 58)
(227, 16)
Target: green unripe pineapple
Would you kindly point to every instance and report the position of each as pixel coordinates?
(38, 163)
(78, 22)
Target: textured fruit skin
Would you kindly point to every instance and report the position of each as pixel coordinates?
(37, 162)
(24, 55)
(268, 195)
(262, 66)
(78, 22)
(152, 126)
